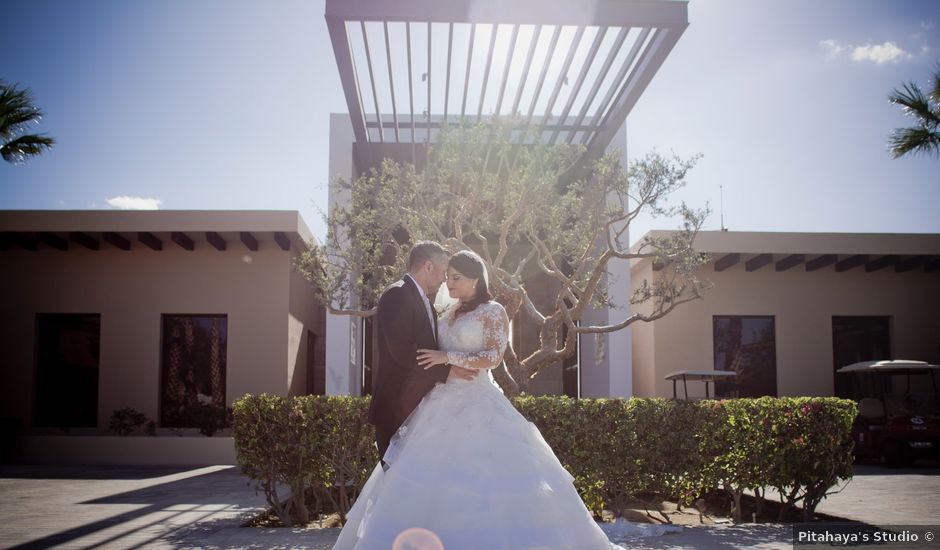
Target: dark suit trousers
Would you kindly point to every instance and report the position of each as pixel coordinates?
(382, 438)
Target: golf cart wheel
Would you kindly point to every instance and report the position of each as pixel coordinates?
(897, 454)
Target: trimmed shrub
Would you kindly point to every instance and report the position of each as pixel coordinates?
(616, 449)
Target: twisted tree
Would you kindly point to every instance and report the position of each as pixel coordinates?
(533, 212)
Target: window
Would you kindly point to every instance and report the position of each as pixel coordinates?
(745, 345)
(67, 353)
(854, 339)
(193, 366)
(316, 370)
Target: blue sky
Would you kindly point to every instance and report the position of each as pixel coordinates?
(224, 104)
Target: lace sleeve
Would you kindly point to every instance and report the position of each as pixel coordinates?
(495, 339)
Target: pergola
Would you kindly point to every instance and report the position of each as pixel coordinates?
(569, 71)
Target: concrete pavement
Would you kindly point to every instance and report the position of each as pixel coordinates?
(133, 507)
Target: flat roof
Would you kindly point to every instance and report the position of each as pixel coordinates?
(786, 250)
(34, 229)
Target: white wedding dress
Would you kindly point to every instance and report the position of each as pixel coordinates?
(468, 467)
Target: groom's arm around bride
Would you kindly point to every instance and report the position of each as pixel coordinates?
(405, 323)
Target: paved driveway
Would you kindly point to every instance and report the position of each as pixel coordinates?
(883, 496)
(132, 507)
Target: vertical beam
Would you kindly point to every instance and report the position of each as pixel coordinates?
(650, 60)
(466, 80)
(562, 77)
(525, 70)
(605, 68)
(502, 84)
(428, 114)
(375, 96)
(391, 81)
(538, 87)
(411, 96)
(450, 47)
(622, 74)
(588, 61)
(486, 72)
(347, 75)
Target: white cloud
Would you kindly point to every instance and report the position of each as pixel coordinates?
(833, 49)
(134, 203)
(926, 25)
(886, 52)
(880, 53)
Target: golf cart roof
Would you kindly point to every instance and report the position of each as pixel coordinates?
(895, 366)
(700, 375)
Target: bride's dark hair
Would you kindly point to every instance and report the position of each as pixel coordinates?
(470, 265)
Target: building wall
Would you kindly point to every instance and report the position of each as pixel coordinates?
(605, 360)
(305, 315)
(802, 304)
(643, 338)
(343, 375)
(130, 290)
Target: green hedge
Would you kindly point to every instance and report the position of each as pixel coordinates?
(617, 449)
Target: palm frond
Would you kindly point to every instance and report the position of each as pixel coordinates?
(915, 104)
(935, 88)
(914, 140)
(16, 110)
(18, 150)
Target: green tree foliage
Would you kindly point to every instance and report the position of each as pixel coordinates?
(533, 212)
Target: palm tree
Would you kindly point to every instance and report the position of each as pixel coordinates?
(16, 112)
(925, 110)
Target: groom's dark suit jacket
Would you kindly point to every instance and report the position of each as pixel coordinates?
(398, 382)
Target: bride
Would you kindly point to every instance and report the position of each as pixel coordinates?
(466, 470)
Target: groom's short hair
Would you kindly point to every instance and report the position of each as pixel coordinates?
(423, 251)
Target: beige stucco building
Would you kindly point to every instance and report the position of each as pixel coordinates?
(153, 310)
(787, 309)
(161, 311)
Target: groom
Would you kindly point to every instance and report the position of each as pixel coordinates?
(406, 322)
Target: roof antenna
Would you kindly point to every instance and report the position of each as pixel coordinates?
(722, 207)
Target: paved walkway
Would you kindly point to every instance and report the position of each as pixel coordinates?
(883, 496)
(111, 507)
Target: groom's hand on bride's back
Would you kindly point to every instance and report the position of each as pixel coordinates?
(428, 358)
(460, 373)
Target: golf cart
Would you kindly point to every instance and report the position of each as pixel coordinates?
(707, 376)
(898, 418)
